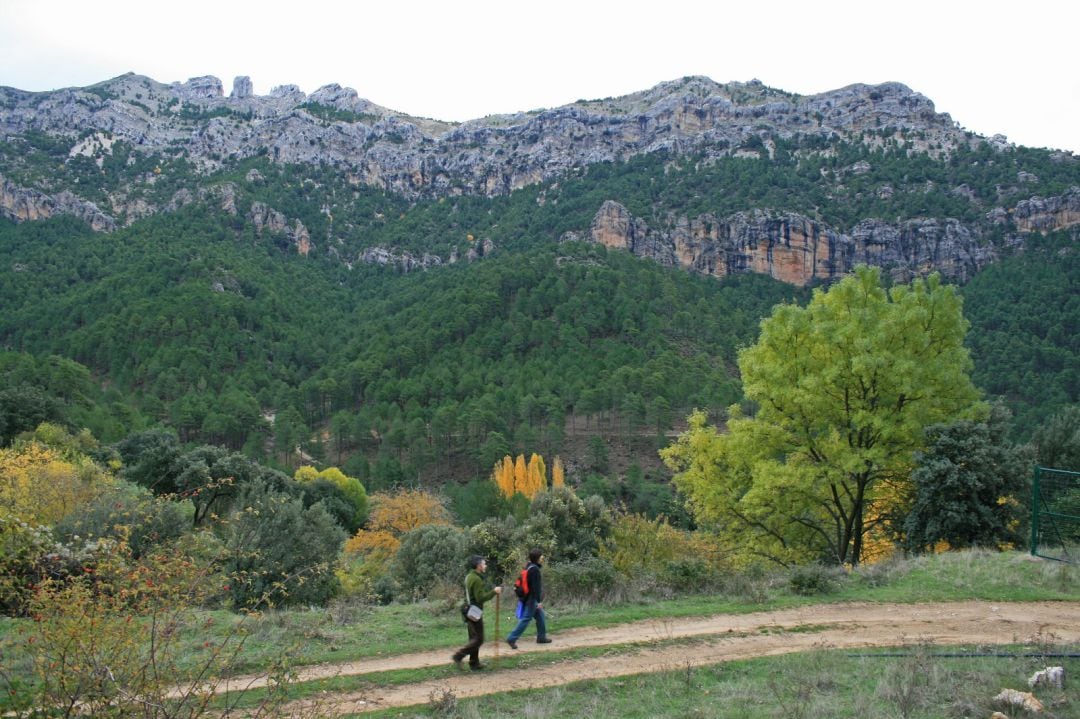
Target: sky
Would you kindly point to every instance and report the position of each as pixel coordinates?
(1008, 69)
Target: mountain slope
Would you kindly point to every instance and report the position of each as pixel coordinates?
(344, 266)
(716, 178)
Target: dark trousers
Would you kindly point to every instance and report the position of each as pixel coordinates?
(472, 649)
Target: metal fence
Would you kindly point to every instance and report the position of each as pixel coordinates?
(1055, 514)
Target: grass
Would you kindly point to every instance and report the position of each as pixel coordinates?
(831, 684)
(348, 632)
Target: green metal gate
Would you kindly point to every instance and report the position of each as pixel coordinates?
(1055, 514)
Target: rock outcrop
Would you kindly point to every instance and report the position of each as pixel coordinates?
(242, 88)
(1047, 214)
(794, 248)
(403, 261)
(269, 221)
(22, 204)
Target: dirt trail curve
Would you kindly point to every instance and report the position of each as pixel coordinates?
(723, 638)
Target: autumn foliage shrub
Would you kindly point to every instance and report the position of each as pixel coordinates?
(42, 485)
(366, 556)
(114, 641)
(673, 559)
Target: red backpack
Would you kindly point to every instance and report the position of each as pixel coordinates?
(521, 584)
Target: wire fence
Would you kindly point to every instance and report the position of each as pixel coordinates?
(1055, 514)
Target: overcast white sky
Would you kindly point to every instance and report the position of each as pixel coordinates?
(1011, 71)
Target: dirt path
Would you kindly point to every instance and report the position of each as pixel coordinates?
(639, 647)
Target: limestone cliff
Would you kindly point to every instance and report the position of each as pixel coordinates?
(23, 204)
(794, 248)
(1050, 213)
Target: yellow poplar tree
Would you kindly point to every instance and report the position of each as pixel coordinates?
(521, 475)
(516, 476)
(534, 481)
(502, 474)
(558, 474)
(541, 471)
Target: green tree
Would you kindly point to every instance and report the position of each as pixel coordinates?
(289, 433)
(24, 407)
(279, 552)
(576, 527)
(353, 491)
(969, 486)
(429, 556)
(1057, 443)
(843, 390)
(150, 460)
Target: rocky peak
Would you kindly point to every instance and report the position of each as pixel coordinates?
(335, 96)
(207, 87)
(288, 92)
(242, 88)
(490, 156)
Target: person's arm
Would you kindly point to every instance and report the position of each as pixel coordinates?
(478, 591)
(536, 584)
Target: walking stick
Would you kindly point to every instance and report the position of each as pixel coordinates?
(497, 614)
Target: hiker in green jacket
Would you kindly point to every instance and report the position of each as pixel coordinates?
(476, 593)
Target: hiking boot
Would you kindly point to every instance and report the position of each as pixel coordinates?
(478, 667)
(512, 643)
(457, 662)
(543, 640)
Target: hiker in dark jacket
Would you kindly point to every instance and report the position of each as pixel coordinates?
(532, 604)
(476, 592)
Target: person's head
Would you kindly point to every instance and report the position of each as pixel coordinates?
(535, 555)
(478, 563)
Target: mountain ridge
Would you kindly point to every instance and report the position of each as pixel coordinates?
(156, 147)
(418, 157)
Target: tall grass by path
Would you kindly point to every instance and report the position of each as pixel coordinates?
(349, 632)
(834, 684)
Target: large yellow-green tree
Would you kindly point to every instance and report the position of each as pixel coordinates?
(841, 391)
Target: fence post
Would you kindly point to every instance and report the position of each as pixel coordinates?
(1035, 493)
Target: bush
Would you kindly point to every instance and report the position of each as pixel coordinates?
(365, 559)
(428, 556)
(591, 580)
(690, 574)
(812, 579)
(24, 552)
(477, 501)
(114, 642)
(333, 500)
(281, 553)
(503, 543)
(131, 513)
(351, 492)
(577, 526)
